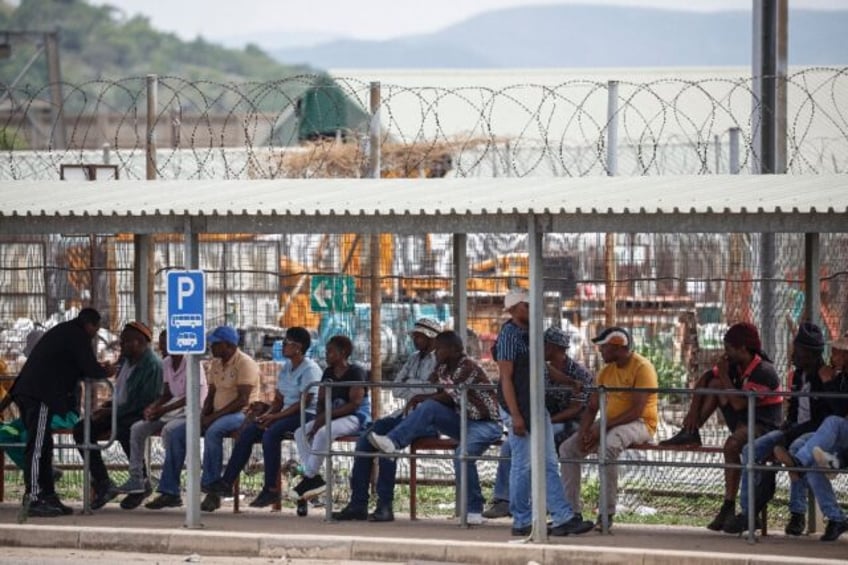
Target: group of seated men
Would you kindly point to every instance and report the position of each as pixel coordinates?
(149, 398)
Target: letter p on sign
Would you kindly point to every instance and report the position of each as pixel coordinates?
(185, 289)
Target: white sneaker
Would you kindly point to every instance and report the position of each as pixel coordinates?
(382, 443)
(475, 519)
(826, 460)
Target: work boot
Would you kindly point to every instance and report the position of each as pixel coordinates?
(727, 512)
(497, 509)
(834, 530)
(739, 524)
(211, 503)
(351, 513)
(132, 501)
(383, 513)
(683, 438)
(797, 524)
(104, 493)
(265, 498)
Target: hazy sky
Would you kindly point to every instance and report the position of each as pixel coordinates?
(365, 19)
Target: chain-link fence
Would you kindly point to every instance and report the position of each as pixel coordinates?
(677, 292)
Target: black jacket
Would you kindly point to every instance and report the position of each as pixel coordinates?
(58, 362)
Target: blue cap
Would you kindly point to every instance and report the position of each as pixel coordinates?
(224, 334)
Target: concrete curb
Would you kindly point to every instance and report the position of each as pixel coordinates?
(360, 548)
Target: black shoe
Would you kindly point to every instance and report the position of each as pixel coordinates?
(265, 498)
(599, 526)
(683, 438)
(43, 508)
(497, 509)
(727, 512)
(351, 513)
(54, 500)
(739, 524)
(573, 526)
(310, 487)
(834, 530)
(797, 524)
(105, 493)
(302, 507)
(220, 487)
(211, 503)
(522, 531)
(164, 501)
(133, 501)
(383, 513)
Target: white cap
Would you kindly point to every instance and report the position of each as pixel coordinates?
(515, 296)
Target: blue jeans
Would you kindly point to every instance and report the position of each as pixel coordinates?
(519, 479)
(481, 434)
(360, 478)
(271, 439)
(763, 447)
(213, 453)
(832, 436)
(501, 490)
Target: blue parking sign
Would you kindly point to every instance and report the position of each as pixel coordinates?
(186, 312)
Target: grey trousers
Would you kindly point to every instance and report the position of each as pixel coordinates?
(139, 432)
(618, 439)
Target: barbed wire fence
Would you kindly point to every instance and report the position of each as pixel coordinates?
(263, 130)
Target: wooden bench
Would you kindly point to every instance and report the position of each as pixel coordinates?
(713, 449)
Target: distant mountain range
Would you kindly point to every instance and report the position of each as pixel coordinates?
(586, 36)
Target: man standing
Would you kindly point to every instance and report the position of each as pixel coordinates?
(564, 406)
(233, 384)
(441, 411)
(46, 386)
(416, 370)
(138, 383)
(631, 415)
(512, 353)
(163, 415)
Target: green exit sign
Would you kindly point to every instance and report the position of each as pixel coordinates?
(332, 293)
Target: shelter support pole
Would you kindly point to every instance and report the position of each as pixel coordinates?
(460, 288)
(770, 25)
(812, 288)
(376, 293)
(142, 275)
(537, 383)
(192, 262)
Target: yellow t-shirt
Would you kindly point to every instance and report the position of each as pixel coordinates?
(638, 373)
(240, 370)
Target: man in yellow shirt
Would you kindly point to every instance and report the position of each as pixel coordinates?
(631, 415)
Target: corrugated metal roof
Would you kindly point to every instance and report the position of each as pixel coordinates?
(658, 203)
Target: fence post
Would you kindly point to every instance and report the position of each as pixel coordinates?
(749, 468)
(463, 457)
(602, 459)
(152, 110)
(612, 170)
(735, 134)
